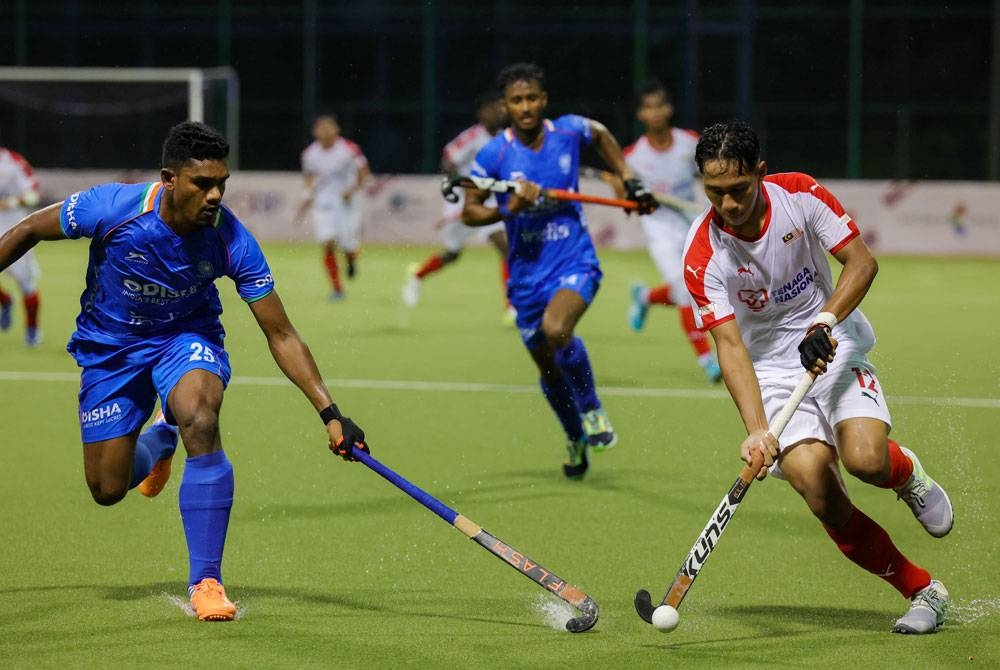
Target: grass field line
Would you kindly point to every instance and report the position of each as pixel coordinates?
(485, 387)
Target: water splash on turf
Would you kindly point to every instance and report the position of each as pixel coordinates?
(973, 610)
(555, 613)
(184, 605)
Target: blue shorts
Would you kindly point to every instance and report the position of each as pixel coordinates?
(119, 385)
(530, 303)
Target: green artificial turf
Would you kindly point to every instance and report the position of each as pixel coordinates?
(334, 567)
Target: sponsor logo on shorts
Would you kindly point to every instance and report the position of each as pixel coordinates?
(103, 414)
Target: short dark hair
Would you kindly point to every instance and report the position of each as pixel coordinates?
(729, 141)
(520, 72)
(488, 97)
(651, 87)
(193, 140)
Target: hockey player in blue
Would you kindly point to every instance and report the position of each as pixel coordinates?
(149, 327)
(554, 271)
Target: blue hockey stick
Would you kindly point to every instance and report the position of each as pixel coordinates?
(525, 565)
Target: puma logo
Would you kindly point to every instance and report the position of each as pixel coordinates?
(871, 397)
(694, 271)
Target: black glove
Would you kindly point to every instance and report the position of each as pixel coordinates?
(637, 191)
(351, 434)
(816, 345)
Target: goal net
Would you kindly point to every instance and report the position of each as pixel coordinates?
(111, 117)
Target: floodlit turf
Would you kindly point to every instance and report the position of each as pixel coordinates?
(334, 567)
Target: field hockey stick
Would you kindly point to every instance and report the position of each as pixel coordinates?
(449, 185)
(709, 537)
(525, 565)
(688, 208)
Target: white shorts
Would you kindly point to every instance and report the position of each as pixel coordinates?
(456, 234)
(665, 240)
(337, 223)
(848, 390)
(26, 271)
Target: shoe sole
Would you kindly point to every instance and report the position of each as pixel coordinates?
(159, 482)
(217, 617)
(601, 448)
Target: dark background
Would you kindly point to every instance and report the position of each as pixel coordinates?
(860, 88)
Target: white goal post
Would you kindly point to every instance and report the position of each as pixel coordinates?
(196, 80)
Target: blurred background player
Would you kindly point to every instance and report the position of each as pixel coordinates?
(664, 159)
(457, 159)
(756, 264)
(554, 270)
(19, 194)
(149, 326)
(335, 171)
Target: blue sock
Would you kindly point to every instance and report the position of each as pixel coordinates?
(206, 497)
(575, 366)
(560, 398)
(155, 443)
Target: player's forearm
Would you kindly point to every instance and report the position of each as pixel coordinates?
(610, 151)
(295, 360)
(475, 214)
(742, 382)
(32, 229)
(852, 286)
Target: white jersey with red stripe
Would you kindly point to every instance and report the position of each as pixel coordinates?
(334, 170)
(671, 171)
(461, 151)
(17, 180)
(776, 284)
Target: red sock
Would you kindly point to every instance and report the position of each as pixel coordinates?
(330, 260)
(868, 545)
(660, 295)
(5, 298)
(697, 338)
(900, 467)
(431, 265)
(31, 310)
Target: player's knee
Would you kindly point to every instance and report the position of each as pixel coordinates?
(557, 333)
(868, 465)
(107, 493)
(199, 428)
(450, 256)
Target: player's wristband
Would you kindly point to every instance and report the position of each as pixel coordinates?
(330, 413)
(825, 318)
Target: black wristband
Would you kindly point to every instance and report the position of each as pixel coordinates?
(330, 413)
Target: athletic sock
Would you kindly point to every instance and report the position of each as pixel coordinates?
(560, 398)
(330, 261)
(154, 444)
(698, 340)
(869, 546)
(574, 363)
(5, 298)
(431, 265)
(206, 497)
(31, 309)
(659, 295)
(900, 467)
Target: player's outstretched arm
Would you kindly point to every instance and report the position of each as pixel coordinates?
(860, 268)
(741, 380)
(292, 355)
(39, 226)
(610, 151)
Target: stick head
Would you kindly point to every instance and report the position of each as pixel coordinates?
(644, 605)
(448, 185)
(587, 621)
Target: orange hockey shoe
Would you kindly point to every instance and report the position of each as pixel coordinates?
(160, 474)
(209, 601)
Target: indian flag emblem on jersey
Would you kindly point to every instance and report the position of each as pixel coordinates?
(565, 163)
